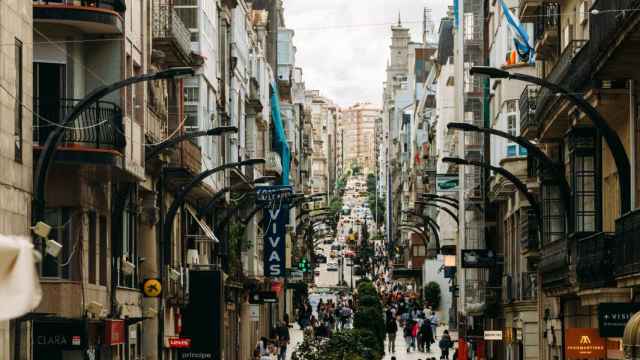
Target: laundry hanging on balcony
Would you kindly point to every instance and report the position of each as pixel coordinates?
(525, 51)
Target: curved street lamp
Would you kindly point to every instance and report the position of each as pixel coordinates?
(442, 197)
(611, 137)
(50, 147)
(556, 169)
(182, 194)
(156, 149)
(522, 187)
(206, 209)
(447, 210)
(454, 205)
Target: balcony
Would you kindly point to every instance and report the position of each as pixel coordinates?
(547, 30)
(187, 156)
(528, 9)
(594, 268)
(626, 252)
(87, 16)
(170, 35)
(561, 72)
(554, 266)
(528, 230)
(98, 130)
(529, 127)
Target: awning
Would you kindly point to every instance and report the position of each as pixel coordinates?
(203, 225)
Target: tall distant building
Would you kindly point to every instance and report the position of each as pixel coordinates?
(356, 136)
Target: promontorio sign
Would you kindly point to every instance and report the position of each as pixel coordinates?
(275, 201)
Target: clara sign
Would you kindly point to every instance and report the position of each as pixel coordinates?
(275, 201)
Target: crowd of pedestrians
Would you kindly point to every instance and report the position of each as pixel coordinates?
(419, 323)
(328, 317)
(276, 347)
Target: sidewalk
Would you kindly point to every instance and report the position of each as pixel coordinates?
(401, 350)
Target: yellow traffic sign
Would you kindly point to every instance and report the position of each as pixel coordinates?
(152, 288)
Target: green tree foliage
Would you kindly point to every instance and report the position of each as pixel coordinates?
(369, 314)
(377, 209)
(352, 344)
(432, 294)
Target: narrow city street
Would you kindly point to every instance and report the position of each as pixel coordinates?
(221, 179)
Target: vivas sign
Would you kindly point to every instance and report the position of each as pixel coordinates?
(275, 201)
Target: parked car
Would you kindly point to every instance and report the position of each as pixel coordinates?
(349, 253)
(321, 259)
(333, 254)
(332, 266)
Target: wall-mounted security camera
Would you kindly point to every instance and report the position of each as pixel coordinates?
(53, 248)
(41, 229)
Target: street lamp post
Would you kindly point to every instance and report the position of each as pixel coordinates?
(50, 147)
(611, 137)
(556, 168)
(181, 197)
(522, 187)
(156, 149)
(447, 210)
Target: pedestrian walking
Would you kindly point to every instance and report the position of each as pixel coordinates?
(408, 338)
(415, 328)
(434, 324)
(283, 339)
(445, 344)
(426, 335)
(392, 329)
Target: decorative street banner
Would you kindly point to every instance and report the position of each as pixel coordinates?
(275, 201)
(613, 317)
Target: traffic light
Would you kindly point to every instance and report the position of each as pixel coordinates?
(304, 265)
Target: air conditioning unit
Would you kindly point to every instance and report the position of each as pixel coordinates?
(174, 274)
(53, 248)
(126, 266)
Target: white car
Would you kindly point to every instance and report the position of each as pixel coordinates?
(332, 266)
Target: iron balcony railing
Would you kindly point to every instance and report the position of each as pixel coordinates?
(594, 263)
(606, 28)
(548, 19)
(475, 296)
(168, 25)
(116, 5)
(627, 244)
(529, 127)
(554, 265)
(560, 71)
(100, 126)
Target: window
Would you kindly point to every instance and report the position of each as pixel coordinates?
(61, 230)
(17, 131)
(187, 11)
(191, 98)
(584, 167)
(129, 250)
(419, 250)
(552, 212)
(468, 26)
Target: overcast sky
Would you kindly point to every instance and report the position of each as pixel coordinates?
(343, 45)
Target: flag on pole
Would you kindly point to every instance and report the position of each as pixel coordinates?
(525, 51)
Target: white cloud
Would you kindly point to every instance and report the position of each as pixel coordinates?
(343, 45)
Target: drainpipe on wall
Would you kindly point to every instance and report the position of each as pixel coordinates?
(632, 140)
